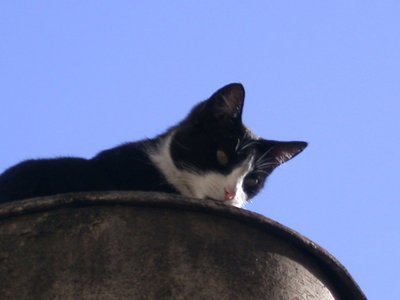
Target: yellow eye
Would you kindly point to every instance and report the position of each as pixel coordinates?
(222, 158)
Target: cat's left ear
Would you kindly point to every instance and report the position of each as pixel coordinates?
(284, 151)
(228, 101)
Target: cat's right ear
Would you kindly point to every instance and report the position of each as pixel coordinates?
(228, 101)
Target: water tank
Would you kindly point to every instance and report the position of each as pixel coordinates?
(134, 245)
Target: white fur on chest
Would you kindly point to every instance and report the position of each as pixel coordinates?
(201, 185)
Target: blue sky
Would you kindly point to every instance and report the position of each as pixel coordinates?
(77, 77)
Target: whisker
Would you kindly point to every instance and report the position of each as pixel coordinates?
(190, 168)
(260, 159)
(261, 172)
(246, 145)
(266, 164)
(178, 143)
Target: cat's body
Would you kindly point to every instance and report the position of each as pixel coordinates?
(106, 171)
(210, 154)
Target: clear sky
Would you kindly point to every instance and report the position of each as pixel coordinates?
(77, 77)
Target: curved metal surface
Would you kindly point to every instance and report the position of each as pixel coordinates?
(135, 245)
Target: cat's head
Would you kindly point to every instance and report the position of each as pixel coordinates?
(217, 157)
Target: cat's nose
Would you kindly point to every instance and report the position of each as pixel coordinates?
(230, 193)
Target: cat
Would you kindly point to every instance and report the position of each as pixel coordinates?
(210, 154)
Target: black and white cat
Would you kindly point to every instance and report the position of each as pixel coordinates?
(210, 154)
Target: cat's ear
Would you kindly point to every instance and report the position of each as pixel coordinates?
(284, 151)
(228, 101)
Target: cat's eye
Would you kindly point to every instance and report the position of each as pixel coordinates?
(222, 157)
(251, 181)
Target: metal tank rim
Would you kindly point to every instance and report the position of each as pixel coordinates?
(337, 272)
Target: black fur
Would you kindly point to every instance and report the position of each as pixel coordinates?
(126, 167)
